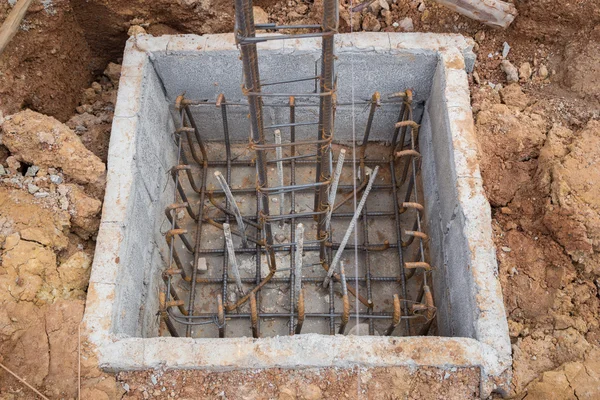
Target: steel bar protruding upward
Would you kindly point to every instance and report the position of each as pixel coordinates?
(245, 29)
(330, 24)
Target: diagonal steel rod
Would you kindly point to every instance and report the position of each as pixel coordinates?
(338, 254)
(236, 210)
(232, 259)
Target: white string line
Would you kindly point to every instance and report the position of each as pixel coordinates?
(354, 175)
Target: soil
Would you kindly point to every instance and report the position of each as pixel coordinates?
(539, 155)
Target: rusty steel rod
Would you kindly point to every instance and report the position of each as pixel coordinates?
(245, 30)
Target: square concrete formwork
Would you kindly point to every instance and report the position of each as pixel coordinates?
(123, 294)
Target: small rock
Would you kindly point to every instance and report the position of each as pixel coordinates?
(511, 226)
(202, 265)
(280, 237)
(513, 96)
(476, 78)
(384, 5)
(126, 387)
(41, 195)
(97, 87)
(56, 179)
(2, 170)
(479, 36)
(506, 210)
(505, 50)
(375, 7)
(371, 23)
(525, 72)
(287, 393)
(310, 392)
(387, 17)
(260, 15)
(153, 379)
(89, 95)
(512, 75)
(395, 24)
(113, 72)
(446, 375)
(407, 24)
(32, 171)
(425, 16)
(135, 30)
(543, 71)
(301, 8)
(31, 188)
(13, 164)
(506, 249)
(421, 7)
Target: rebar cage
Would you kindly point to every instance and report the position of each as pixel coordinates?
(301, 268)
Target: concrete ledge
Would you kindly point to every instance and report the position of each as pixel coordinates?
(129, 252)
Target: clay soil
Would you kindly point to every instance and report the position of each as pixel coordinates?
(539, 141)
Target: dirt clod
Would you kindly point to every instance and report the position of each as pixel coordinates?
(41, 140)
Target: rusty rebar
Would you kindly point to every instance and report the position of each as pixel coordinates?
(345, 300)
(395, 318)
(254, 315)
(245, 29)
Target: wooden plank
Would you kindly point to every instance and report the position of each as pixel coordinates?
(11, 24)
(496, 13)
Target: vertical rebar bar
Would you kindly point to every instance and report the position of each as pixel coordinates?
(222, 104)
(345, 300)
(293, 293)
(192, 295)
(298, 258)
(245, 28)
(330, 22)
(279, 155)
(375, 103)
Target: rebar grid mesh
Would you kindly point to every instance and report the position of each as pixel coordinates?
(213, 313)
(258, 227)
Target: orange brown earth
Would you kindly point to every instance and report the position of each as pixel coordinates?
(539, 140)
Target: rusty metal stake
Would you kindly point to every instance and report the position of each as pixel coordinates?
(279, 154)
(345, 300)
(396, 317)
(254, 315)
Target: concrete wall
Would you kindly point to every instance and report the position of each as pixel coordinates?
(138, 190)
(122, 300)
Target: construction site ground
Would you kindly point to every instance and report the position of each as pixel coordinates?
(539, 142)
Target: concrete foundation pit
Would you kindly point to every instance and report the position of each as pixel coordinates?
(419, 281)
